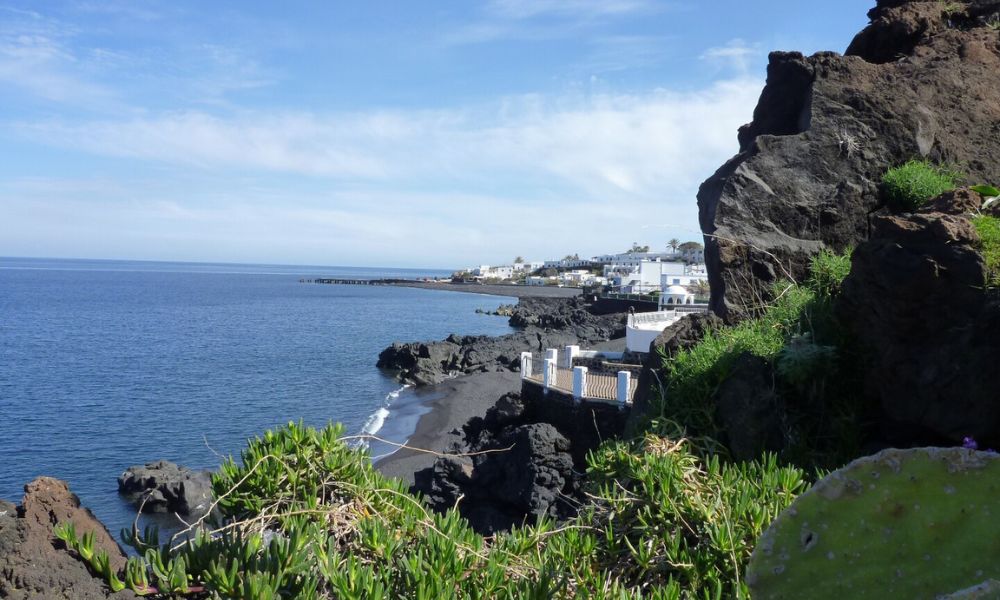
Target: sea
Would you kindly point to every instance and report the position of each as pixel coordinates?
(107, 364)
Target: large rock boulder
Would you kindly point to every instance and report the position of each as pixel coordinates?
(930, 333)
(918, 82)
(510, 468)
(163, 487)
(34, 564)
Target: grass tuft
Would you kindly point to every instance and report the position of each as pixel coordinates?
(910, 185)
(989, 234)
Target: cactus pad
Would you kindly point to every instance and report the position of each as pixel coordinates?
(919, 523)
(988, 590)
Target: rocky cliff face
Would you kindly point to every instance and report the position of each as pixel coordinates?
(917, 82)
(916, 302)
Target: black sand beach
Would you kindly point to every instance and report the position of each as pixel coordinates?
(452, 404)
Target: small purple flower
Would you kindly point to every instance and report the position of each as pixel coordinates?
(969, 443)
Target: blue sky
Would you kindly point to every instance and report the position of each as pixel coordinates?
(424, 134)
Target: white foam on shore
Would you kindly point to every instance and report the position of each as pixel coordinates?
(377, 419)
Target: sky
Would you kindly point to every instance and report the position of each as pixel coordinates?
(373, 133)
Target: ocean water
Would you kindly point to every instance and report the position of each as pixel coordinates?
(108, 364)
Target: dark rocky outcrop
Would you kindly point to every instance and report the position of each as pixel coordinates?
(34, 564)
(163, 487)
(522, 461)
(747, 409)
(546, 323)
(916, 82)
(916, 302)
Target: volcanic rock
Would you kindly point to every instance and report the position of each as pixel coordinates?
(917, 82)
(915, 300)
(163, 487)
(511, 468)
(34, 564)
(546, 322)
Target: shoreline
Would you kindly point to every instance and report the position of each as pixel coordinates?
(449, 405)
(513, 291)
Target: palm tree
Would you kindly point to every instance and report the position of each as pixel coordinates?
(700, 289)
(518, 259)
(673, 244)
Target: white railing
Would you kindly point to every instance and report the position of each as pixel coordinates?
(653, 318)
(580, 376)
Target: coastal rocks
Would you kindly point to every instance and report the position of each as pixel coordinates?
(929, 331)
(547, 323)
(34, 564)
(572, 316)
(163, 487)
(915, 83)
(511, 471)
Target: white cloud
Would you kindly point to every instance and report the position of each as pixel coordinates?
(534, 175)
(587, 9)
(735, 54)
(591, 144)
(547, 19)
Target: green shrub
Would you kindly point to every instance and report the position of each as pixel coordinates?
(989, 234)
(909, 186)
(663, 523)
(816, 371)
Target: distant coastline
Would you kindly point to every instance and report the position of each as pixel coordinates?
(515, 291)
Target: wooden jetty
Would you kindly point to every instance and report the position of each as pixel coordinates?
(353, 281)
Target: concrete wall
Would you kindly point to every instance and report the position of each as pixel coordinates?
(605, 306)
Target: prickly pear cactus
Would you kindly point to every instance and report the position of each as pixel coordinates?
(919, 523)
(988, 590)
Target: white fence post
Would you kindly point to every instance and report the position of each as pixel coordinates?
(549, 376)
(624, 381)
(525, 365)
(579, 383)
(571, 353)
(552, 353)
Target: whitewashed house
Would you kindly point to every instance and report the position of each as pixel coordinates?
(647, 277)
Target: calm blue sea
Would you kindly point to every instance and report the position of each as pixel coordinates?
(107, 364)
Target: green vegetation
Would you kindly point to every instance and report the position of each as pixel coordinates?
(909, 186)
(989, 234)
(815, 380)
(303, 515)
(308, 517)
(901, 524)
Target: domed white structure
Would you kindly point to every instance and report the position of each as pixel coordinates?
(676, 294)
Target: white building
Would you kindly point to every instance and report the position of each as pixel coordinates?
(694, 256)
(538, 280)
(642, 328)
(488, 272)
(528, 267)
(676, 294)
(630, 260)
(580, 278)
(567, 263)
(646, 277)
